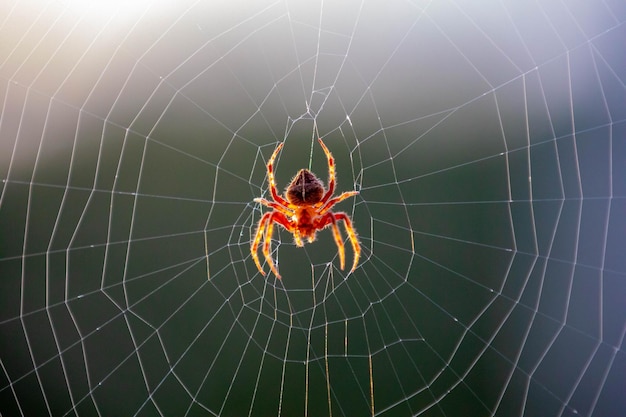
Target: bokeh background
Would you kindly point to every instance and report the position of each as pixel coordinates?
(487, 141)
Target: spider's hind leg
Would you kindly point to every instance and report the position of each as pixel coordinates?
(257, 239)
(354, 240)
(330, 218)
(298, 239)
(274, 217)
(267, 248)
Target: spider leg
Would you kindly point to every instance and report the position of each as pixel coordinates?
(356, 247)
(276, 206)
(329, 218)
(297, 238)
(288, 214)
(257, 239)
(267, 247)
(272, 181)
(331, 172)
(283, 221)
(330, 203)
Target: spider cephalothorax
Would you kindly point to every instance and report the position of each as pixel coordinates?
(303, 211)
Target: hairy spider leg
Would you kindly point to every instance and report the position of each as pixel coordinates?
(329, 218)
(257, 239)
(298, 238)
(288, 212)
(283, 221)
(262, 224)
(352, 235)
(276, 206)
(267, 248)
(270, 177)
(330, 203)
(265, 231)
(331, 173)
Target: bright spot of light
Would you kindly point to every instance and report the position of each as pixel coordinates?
(103, 9)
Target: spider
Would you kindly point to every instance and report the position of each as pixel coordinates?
(305, 209)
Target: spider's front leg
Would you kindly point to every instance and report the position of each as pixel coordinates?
(272, 180)
(330, 203)
(276, 206)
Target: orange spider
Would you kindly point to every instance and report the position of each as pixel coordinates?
(304, 210)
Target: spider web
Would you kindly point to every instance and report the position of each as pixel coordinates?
(487, 141)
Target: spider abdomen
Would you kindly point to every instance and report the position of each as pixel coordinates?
(305, 189)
